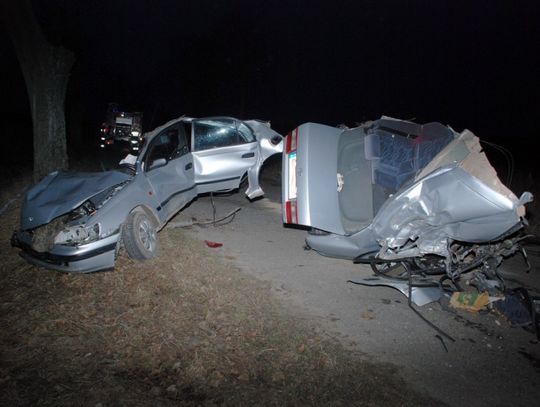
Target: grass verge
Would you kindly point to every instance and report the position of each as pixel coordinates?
(182, 329)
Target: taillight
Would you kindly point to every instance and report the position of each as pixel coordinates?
(291, 213)
(291, 141)
(291, 208)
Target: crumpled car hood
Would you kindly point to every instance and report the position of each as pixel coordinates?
(61, 192)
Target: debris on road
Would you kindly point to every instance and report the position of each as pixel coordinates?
(472, 301)
(419, 295)
(520, 308)
(213, 244)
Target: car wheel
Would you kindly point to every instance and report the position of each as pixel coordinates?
(139, 237)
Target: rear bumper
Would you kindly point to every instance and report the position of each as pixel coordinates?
(344, 247)
(86, 258)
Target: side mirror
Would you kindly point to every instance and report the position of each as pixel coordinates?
(159, 162)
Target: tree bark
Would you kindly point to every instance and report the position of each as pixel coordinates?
(46, 71)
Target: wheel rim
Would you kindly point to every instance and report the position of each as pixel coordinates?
(147, 234)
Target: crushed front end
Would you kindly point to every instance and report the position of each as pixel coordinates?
(83, 258)
(61, 227)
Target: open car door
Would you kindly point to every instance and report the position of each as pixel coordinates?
(224, 149)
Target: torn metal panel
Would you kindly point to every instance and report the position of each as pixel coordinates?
(467, 151)
(270, 143)
(460, 199)
(448, 204)
(419, 295)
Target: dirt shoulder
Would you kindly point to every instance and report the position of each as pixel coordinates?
(485, 361)
(183, 329)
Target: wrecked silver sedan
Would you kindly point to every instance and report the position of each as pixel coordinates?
(395, 192)
(76, 221)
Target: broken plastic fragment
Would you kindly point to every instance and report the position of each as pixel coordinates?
(213, 244)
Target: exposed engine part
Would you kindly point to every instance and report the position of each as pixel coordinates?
(466, 265)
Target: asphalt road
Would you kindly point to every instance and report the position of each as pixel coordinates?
(488, 364)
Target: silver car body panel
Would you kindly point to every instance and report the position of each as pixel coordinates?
(419, 295)
(74, 221)
(267, 147)
(463, 200)
(344, 246)
(395, 187)
(316, 169)
(223, 169)
(447, 204)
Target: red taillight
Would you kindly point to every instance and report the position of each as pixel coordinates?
(291, 212)
(291, 215)
(292, 138)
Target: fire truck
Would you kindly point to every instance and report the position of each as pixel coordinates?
(121, 128)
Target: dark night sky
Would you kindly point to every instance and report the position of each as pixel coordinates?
(470, 64)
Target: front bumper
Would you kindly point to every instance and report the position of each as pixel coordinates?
(98, 255)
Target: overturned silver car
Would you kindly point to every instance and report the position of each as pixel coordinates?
(392, 191)
(76, 221)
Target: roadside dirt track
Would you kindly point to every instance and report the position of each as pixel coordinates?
(490, 363)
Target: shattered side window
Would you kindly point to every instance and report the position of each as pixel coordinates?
(246, 134)
(183, 145)
(210, 134)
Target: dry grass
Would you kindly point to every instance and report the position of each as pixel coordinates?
(183, 329)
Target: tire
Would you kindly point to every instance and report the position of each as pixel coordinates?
(139, 237)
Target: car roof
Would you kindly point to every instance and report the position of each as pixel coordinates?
(152, 133)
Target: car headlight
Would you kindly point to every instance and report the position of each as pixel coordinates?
(78, 226)
(78, 234)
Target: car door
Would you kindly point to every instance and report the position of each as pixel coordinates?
(224, 149)
(168, 166)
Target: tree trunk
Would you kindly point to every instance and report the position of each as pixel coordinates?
(46, 71)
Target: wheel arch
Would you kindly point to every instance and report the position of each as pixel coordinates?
(150, 213)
